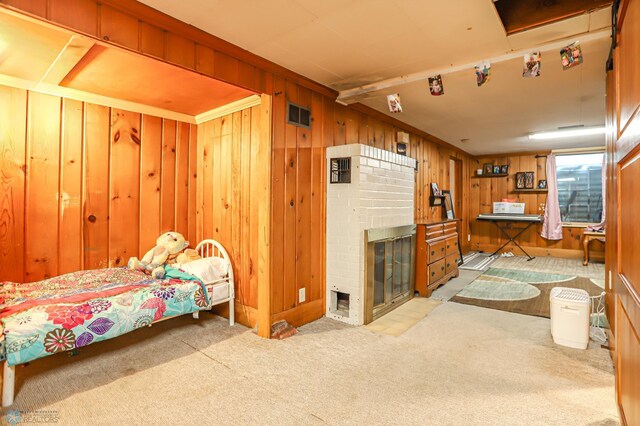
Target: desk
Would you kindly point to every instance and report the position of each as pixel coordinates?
(498, 218)
(587, 237)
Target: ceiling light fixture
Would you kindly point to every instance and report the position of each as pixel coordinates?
(568, 133)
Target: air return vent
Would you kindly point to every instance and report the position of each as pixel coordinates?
(340, 170)
(298, 115)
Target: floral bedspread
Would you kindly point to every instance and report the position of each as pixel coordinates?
(77, 309)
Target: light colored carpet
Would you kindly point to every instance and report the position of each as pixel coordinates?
(459, 365)
(403, 317)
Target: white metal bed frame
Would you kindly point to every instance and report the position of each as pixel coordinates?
(206, 248)
(212, 248)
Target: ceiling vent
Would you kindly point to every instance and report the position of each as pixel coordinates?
(298, 116)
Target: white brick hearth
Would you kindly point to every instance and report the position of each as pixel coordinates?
(380, 195)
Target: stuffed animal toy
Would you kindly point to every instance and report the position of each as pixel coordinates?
(167, 245)
(189, 255)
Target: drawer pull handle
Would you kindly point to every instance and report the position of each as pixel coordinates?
(433, 252)
(432, 273)
(442, 268)
(442, 249)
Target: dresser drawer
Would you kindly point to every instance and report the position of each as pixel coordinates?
(451, 263)
(450, 228)
(436, 250)
(451, 245)
(434, 231)
(437, 270)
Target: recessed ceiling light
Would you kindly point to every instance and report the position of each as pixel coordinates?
(568, 133)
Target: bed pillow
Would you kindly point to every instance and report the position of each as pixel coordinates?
(208, 269)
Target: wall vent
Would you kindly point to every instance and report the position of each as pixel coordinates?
(340, 303)
(341, 170)
(298, 116)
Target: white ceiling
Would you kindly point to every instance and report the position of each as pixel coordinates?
(348, 43)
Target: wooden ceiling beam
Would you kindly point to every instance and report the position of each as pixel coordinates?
(72, 53)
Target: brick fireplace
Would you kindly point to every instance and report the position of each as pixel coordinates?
(368, 189)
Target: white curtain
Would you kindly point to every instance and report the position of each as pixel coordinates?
(552, 226)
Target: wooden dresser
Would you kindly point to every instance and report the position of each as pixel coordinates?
(437, 255)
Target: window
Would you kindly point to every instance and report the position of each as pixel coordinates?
(580, 187)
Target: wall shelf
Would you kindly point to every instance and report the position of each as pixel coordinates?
(436, 200)
(531, 190)
(490, 176)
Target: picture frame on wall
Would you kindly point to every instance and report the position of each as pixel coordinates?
(496, 170)
(520, 180)
(504, 169)
(542, 184)
(487, 168)
(435, 191)
(529, 179)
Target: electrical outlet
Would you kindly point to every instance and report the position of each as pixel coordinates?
(609, 284)
(469, 237)
(302, 295)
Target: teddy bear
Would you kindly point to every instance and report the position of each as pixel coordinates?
(168, 246)
(189, 255)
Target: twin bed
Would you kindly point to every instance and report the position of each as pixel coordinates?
(74, 310)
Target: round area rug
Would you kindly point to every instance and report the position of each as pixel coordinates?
(522, 292)
(490, 289)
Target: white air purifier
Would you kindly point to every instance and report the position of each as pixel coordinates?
(570, 310)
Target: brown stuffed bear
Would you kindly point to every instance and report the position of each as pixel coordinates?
(168, 245)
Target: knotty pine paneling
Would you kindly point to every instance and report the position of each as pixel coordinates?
(13, 119)
(124, 185)
(229, 193)
(297, 181)
(81, 184)
(484, 191)
(41, 201)
(70, 213)
(298, 185)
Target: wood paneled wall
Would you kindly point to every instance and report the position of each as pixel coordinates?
(623, 233)
(484, 191)
(299, 185)
(86, 186)
(233, 197)
(296, 243)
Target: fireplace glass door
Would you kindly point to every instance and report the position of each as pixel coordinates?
(390, 273)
